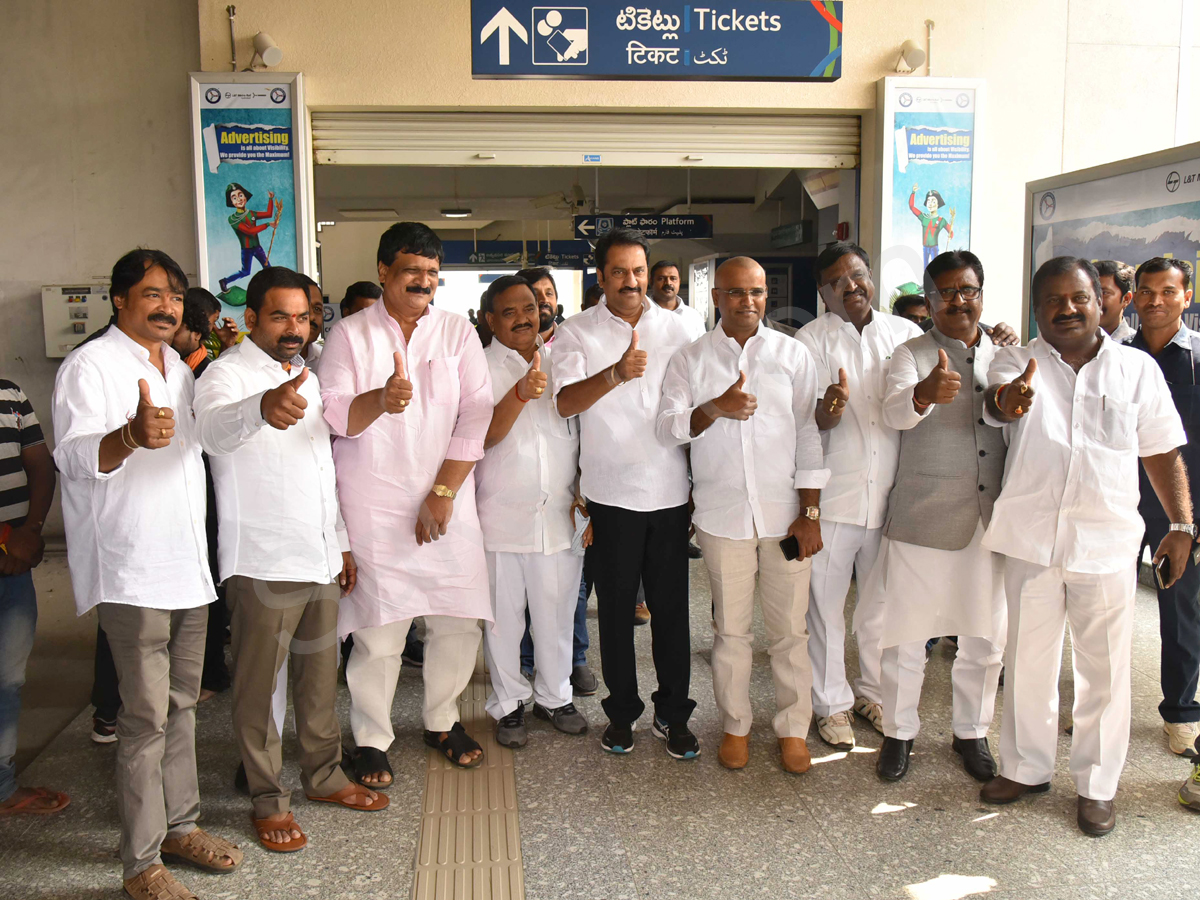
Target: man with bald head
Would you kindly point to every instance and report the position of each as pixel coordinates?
(743, 397)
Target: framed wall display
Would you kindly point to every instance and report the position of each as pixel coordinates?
(252, 164)
(928, 137)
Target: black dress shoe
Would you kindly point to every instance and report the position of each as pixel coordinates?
(977, 757)
(892, 764)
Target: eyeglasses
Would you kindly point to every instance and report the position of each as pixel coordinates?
(742, 293)
(967, 293)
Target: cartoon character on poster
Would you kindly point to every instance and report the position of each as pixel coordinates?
(246, 229)
(932, 223)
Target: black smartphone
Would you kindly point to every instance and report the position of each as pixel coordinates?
(790, 547)
(1162, 572)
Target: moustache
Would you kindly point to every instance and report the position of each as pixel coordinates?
(524, 326)
(162, 317)
(291, 342)
(417, 289)
(629, 290)
(1060, 320)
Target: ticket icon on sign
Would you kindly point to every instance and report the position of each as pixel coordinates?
(560, 36)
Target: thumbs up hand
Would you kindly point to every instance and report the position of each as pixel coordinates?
(836, 396)
(151, 427)
(533, 383)
(735, 403)
(398, 391)
(283, 407)
(633, 362)
(939, 386)
(1015, 398)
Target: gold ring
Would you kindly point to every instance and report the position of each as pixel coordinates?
(538, 390)
(162, 432)
(1024, 389)
(403, 403)
(1018, 411)
(832, 405)
(160, 415)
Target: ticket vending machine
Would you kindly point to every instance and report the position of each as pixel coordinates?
(72, 312)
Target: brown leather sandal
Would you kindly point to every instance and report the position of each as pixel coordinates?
(156, 883)
(266, 826)
(349, 793)
(31, 803)
(202, 850)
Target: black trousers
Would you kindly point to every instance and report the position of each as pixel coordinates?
(105, 696)
(651, 548)
(1179, 628)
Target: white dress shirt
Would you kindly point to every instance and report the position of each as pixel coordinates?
(745, 473)
(276, 490)
(692, 320)
(622, 461)
(525, 484)
(1123, 332)
(135, 535)
(861, 451)
(1070, 493)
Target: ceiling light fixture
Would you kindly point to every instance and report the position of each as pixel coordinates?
(456, 213)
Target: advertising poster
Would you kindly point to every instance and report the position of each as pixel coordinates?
(248, 150)
(1131, 217)
(930, 140)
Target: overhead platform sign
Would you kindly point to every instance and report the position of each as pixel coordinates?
(768, 40)
(653, 227)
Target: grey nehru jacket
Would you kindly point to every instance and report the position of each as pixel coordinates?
(951, 462)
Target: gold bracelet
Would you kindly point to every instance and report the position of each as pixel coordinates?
(132, 443)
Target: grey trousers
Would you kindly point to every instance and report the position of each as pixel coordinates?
(159, 656)
(268, 620)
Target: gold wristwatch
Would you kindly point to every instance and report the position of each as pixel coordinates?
(442, 491)
(813, 513)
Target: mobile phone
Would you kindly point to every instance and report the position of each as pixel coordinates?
(1162, 572)
(790, 547)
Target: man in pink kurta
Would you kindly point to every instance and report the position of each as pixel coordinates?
(406, 388)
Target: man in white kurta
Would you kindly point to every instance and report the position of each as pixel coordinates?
(851, 345)
(933, 576)
(742, 396)
(525, 488)
(1079, 410)
(406, 390)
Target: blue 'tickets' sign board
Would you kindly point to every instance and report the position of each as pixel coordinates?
(653, 227)
(767, 40)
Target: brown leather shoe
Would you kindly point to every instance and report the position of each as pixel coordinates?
(735, 751)
(641, 615)
(793, 754)
(1000, 790)
(156, 883)
(1095, 817)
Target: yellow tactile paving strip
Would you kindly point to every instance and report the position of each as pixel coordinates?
(470, 842)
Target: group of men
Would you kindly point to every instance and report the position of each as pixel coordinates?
(970, 486)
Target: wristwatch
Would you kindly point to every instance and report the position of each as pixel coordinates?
(1188, 529)
(813, 513)
(442, 491)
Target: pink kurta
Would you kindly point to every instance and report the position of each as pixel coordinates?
(385, 473)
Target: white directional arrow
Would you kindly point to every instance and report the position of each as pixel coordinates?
(585, 228)
(505, 23)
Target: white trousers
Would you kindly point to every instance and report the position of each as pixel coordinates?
(732, 566)
(1100, 611)
(974, 680)
(551, 584)
(849, 550)
(451, 646)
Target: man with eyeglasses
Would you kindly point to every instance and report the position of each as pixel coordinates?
(1162, 294)
(851, 345)
(742, 396)
(933, 575)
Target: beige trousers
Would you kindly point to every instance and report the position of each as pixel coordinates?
(159, 656)
(268, 621)
(451, 647)
(783, 584)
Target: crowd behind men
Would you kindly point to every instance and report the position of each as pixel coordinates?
(303, 491)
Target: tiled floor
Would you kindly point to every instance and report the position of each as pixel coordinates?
(645, 826)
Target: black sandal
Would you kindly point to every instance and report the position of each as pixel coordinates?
(454, 745)
(372, 761)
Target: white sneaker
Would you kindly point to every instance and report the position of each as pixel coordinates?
(1181, 737)
(871, 711)
(836, 730)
